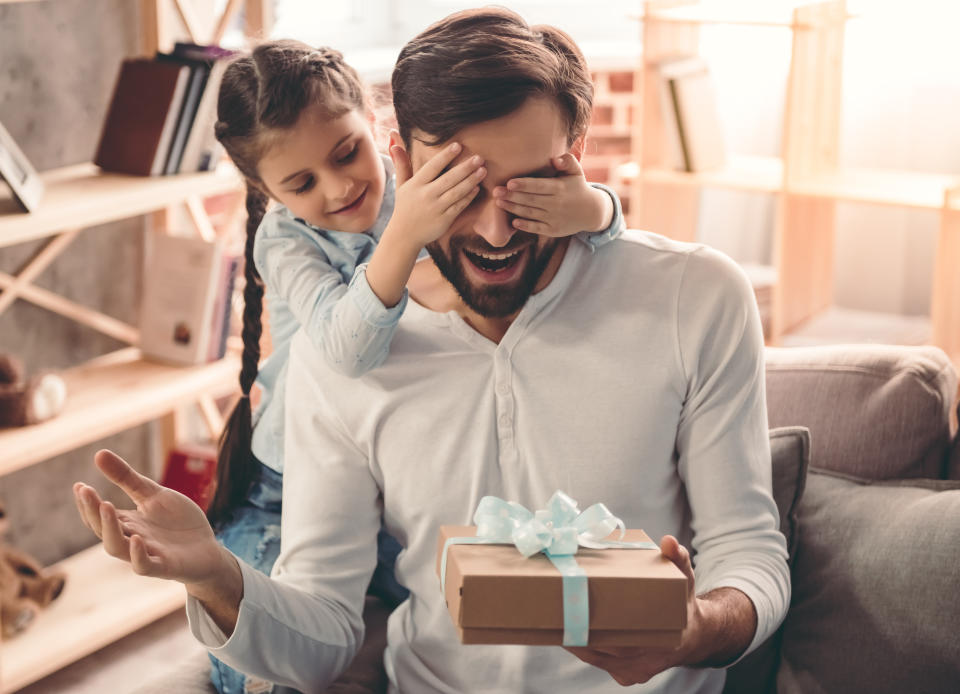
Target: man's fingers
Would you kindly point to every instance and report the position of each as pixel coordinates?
(142, 562)
(113, 539)
(88, 503)
(118, 471)
(679, 555)
(437, 163)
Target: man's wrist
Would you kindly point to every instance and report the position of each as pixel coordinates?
(224, 588)
(727, 622)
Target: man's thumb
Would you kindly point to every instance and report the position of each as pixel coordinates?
(401, 164)
(568, 164)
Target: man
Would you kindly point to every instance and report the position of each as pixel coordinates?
(630, 375)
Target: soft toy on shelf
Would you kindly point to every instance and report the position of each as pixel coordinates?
(28, 401)
(25, 587)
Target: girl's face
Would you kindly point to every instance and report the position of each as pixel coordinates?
(327, 172)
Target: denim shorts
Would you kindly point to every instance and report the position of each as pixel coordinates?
(252, 532)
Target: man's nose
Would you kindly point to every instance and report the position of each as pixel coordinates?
(493, 224)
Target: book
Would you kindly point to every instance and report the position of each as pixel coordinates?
(142, 117)
(203, 151)
(181, 283)
(220, 326)
(691, 120)
(199, 73)
(191, 469)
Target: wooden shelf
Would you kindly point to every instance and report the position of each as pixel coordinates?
(879, 187)
(102, 601)
(82, 196)
(864, 185)
(749, 173)
(111, 394)
(847, 326)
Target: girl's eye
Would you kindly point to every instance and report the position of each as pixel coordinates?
(307, 185)
(348, 157)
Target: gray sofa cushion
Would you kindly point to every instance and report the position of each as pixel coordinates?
(875, 604)
(895, 402)
(790, 456)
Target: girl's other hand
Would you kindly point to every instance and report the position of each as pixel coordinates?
(559, 206)
(166, 536)
(429, 200)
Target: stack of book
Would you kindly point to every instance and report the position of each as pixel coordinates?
(162, 113)
(694, 136)
(185, 309)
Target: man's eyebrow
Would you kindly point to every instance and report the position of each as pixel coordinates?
(332, 149)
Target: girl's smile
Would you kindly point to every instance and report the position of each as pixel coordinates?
(326, 171)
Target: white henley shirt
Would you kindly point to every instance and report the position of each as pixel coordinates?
(635, 378)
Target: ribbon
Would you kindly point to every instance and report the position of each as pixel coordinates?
(557, 531)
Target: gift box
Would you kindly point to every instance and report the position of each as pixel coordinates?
(496, 595)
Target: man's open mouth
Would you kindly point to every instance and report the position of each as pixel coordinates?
(494, 262)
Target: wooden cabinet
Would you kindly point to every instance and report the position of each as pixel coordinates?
(806, 179)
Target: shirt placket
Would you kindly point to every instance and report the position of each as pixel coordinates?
(506, 408)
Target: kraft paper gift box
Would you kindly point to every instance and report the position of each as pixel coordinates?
(495, 595)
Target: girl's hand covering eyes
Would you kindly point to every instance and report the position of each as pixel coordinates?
(429, 200)
(559, 206)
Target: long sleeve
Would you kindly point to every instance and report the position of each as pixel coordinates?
(722, 440)
(345, 320)
(598, 239)
(302, 626)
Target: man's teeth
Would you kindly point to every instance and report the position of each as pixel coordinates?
(495, 256)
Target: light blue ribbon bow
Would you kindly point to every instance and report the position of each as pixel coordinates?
(557, 531)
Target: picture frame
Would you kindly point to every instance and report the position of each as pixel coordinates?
(19, 174)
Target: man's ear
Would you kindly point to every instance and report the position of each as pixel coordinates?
(401, 158)
(578, 146)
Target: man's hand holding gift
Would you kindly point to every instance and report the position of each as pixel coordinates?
(708, 639)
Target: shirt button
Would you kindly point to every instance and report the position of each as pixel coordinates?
(504, 421)
(503, 389)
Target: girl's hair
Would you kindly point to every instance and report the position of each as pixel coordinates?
(262, 94)
(478, 65)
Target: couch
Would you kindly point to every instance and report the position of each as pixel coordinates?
(866, 466)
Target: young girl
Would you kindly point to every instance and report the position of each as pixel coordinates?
(334, 258)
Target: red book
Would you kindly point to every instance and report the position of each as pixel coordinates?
(192, 470)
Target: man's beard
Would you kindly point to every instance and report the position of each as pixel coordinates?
(494, 301)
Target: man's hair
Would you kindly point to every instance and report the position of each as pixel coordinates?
(479, 65)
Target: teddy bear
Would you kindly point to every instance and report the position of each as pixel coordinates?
(25, 587)
(28, 401)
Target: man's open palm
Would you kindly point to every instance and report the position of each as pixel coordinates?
(166, 536)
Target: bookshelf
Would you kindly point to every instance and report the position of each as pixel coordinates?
(103, 600)
(806, 178)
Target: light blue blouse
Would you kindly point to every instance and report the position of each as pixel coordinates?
(316, 278)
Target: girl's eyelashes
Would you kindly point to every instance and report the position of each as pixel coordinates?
(348, 157)
(307, 185)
